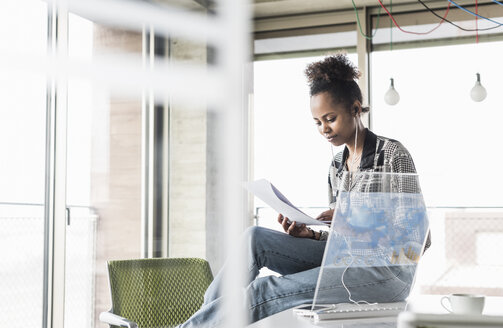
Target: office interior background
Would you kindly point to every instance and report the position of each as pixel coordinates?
(126, 127)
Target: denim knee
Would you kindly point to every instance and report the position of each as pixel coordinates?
(255, 238)
(270, 295)
(254, 232)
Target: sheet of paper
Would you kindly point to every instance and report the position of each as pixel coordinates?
(265, 190)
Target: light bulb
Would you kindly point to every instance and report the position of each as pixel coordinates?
(391, 97)
(478, 92)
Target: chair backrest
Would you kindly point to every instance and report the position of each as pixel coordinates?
(161, 292)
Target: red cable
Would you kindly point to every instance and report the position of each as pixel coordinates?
(476, 21)
(418, 33)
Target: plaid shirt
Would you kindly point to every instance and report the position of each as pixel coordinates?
(379, 154)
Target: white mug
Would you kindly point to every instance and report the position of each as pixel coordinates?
(464, 303)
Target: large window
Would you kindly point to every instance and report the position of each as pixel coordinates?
(288, 149)
(22, 140)
(454, 142)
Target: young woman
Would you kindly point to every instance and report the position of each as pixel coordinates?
(336, 107)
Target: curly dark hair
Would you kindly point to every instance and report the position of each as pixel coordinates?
(336, 75)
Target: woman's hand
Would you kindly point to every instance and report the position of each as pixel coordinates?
(326, 216)
(292, 229)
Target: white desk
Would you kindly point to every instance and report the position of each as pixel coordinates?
(425, 304)
(431, 304)
(288, 319)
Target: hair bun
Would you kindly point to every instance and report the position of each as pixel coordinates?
(337, 75)
(331, 69)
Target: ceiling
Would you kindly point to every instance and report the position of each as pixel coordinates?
(270, 8)
(278, 8)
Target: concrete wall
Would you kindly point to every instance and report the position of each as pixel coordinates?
(187, 193)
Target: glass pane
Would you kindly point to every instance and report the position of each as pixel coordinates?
(103, 170)
(450, 131)
(22, 140)
(335, 40)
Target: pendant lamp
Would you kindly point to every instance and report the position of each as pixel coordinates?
(391, 97)
(478, 92)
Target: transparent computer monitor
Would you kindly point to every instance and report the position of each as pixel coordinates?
(377, 237)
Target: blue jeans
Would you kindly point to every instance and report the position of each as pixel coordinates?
(298, 260)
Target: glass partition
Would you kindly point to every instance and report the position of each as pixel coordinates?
(145, 151)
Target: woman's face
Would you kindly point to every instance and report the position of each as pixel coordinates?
(334, 122)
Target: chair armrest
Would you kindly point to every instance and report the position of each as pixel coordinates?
(116, 320)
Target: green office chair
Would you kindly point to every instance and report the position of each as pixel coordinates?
(157, 292)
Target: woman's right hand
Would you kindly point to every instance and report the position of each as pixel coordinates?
(326, 216)
(293, 229)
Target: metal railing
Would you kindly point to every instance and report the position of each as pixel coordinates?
(21, 241)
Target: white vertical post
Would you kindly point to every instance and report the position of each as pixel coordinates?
(144, 152)
(151, 147)
(148, 116)
(363, 51)
(55, 182)
(232, 59)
